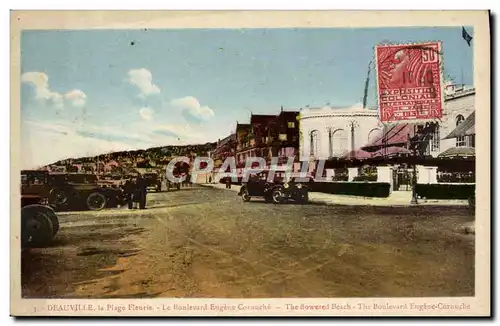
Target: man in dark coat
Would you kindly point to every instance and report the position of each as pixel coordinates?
(128, 188)
(142, 190)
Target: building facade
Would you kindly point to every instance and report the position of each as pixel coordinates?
(333, 132)
(459, 105)
(268, 136)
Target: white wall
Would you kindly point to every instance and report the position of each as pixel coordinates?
(323, 120)
(464, 105)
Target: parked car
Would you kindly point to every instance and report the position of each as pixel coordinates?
(153, 181)
(113, 181)
(277, 190)
(82, 190)
(39, 222)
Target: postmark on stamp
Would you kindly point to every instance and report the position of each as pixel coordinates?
(409, 81)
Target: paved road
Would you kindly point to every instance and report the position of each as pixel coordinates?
(204, 242)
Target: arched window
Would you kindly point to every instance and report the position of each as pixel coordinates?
(374, 135)
(339, 141)
(461, 142)
(314, 142)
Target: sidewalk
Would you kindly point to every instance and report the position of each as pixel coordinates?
(397, 198)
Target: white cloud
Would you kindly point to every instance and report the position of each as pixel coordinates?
(40, 81)
(146, 114)
(76, 98)
(192, 109)
(46, 142)
(143, 79)
(43, 144)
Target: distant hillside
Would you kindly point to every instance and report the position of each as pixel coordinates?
(144, 157)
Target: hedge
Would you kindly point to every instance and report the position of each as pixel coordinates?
(362, 189)
(445, 191)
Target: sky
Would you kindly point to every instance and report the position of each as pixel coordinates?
(87, 92)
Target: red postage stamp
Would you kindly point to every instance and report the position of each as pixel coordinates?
(409, 82)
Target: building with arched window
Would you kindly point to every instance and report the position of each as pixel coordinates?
(460, 142)
(459, 105)
(332, 132)
(314, 144)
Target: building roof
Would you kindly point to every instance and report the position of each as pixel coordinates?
(465, 128)
(261, 118)
(458, 151)
(289, 113)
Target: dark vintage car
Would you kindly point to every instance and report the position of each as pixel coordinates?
(39, 222)
(82, 190)
(153, 181)
(277, 191)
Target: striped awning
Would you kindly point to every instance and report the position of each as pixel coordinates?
(458, 152)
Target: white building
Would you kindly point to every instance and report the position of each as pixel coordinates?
(333, 132)
(459, 105)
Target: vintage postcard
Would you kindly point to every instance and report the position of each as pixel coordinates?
(233, 163)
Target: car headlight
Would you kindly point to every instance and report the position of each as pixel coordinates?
(299, 186)
(285, 185)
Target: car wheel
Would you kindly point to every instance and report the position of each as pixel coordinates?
(37, 229)
(277, 196)
(58, 197)
(244, 195)
(96, 201)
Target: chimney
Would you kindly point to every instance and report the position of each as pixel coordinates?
(282, 108)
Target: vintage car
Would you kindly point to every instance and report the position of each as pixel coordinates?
(278, 190)
(153, 181)
(82, 190)
(39, 222)
(109, 180)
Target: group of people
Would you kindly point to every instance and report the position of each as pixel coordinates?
(136, 190)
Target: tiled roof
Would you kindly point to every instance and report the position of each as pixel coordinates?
(261, 118)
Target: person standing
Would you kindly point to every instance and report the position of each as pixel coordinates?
(136, 192)
(142, 190)
(128, 188)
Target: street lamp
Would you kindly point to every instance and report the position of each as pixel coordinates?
(353, 124)
(414, 200)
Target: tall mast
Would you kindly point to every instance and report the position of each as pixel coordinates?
(365, 94)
